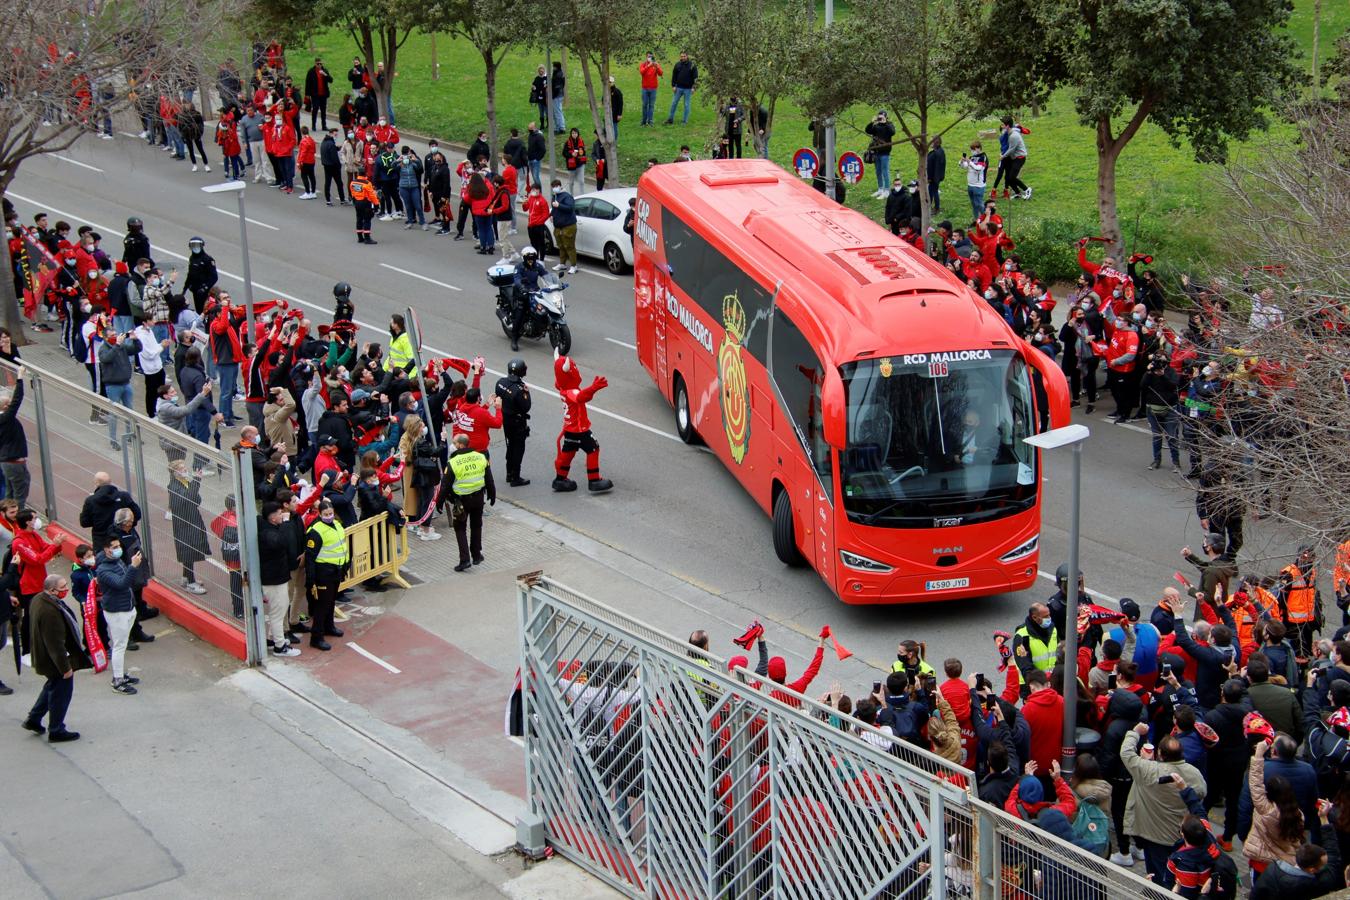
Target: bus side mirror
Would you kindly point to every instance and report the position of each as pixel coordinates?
(833, 410)
(1055, 385)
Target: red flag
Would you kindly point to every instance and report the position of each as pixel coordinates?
(39, 271)
(98, 655)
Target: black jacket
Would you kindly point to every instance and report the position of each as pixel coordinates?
(882, 134)
(515, 402)
(559, 78)
(1125, 710)
(13, 443)
(538, 90)
(1160, 388)
(135, 247)
(899, 207)
(274, 552)
(99, 508)
(615, 102)
(1210, 673)
(340, 427)
(318, 83)
(536, 145)
(366, 107)
(437, 174)
(117, 295)
(937, 165)
(328, 152)
(201, 274)
(479, 150)
(1226, 720)
(1280, 882)
(684, 75)
(514, 148)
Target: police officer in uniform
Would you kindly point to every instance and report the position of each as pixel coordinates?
(1035, 643)
(365, 199)
(400, 363)
(467, 481)
(1300, 601)
(326, 563)
(135, 246)
(515, 397)
(343, 308)
(528, 272)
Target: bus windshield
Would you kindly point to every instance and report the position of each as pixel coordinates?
(937, 439)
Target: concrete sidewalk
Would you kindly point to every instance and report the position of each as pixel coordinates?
(216, 781)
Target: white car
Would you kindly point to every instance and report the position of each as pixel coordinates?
(600, 232)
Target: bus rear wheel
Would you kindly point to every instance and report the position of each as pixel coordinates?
(684, 417)
(785, 532)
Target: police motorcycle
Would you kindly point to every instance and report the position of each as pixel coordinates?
(545, 310)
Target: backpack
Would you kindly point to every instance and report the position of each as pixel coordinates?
(1092, 829)
(79, 348)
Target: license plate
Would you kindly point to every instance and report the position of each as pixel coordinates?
(946, 584)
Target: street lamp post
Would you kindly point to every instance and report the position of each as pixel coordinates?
(1069, 436)
(828, 162)
(237, 187)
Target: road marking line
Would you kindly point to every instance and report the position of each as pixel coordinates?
(1096, 595)
(76, 162)
(420, 277)
(293, 299)
(372, 657)
(130, 135)
(598, 273)
(622, 343)
(235, 215)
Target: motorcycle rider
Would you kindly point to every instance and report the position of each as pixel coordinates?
(515, 396)
(343, 308)
(528, 272)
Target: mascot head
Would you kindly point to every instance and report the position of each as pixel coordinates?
(566, 376)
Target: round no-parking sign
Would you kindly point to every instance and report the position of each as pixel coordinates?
(850, 167)
(805, 162)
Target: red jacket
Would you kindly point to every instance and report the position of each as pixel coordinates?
(509, 180)
(227, 136)
(305, 155)
(385, 134)
(1044, 712)
(474, 419)
(801, 684)
(223, 330)
(651, 73)
(1065, 801)
(482, 206)
(957, 693)
(283, 138)
(537, 208)
(33, 555)
(1122, 350)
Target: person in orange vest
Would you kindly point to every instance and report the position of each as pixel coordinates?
(1340, 580)
(1300, 603)
(365, 198)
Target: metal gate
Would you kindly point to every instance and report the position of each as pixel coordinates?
(665, 775)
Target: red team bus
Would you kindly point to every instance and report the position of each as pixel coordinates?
(868, 401)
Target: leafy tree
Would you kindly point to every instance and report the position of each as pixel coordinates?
(1204, 71)
(493, 27)
(756, 64)
(378, 28)
(70, 63)
(603, 34)
(906, 67)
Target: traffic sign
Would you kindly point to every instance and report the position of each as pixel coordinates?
(806, 162)
(850, 167)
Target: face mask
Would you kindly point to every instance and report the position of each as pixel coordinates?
(351, 135)
(86, 308)
(88, 562)
(1086, 304)
(173, 398)
(1044, 623)
(196, 249)
(557, 190)
(155, 282)
(327, 518)
(63, 594)
(383, 123)
(70, 262)
(1137, 317)
(1116, 293)
(115, 554)
(989, 295)
(1008, 266)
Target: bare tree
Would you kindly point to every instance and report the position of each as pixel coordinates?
(1281, 335)
(71, 65)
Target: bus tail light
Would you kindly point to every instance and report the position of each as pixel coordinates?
(862, 563)
(1024, 549)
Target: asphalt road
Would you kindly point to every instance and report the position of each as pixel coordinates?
(674, 507)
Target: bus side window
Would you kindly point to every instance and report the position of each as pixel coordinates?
(799, 375)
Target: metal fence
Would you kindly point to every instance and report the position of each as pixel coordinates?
(187, 531)
(667, 776)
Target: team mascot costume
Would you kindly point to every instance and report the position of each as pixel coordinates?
(576, 431)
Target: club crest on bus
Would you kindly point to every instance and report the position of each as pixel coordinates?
(731, 375)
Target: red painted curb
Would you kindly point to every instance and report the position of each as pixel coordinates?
(210, 628)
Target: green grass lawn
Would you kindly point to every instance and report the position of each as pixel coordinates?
(1176, 202)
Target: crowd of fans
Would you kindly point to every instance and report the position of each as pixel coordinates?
(337, 430)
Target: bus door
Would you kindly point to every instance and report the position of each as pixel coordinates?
(798, 378)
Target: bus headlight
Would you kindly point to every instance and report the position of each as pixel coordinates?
(862, 563)
(1021, 550)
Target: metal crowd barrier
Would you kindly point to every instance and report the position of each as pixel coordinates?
(376, 548)
(666, 776)
(74, 433)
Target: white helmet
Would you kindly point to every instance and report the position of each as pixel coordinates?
(529, 254)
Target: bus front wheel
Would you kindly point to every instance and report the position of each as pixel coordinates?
(785, 532)
(684, 417)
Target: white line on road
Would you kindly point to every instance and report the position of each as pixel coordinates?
(235, 215)
(420, 277)
(1096, 595)
(598, 273)
(622, 343)
(76, 162)
(372, 657)
(293, 299)
(130, 135)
